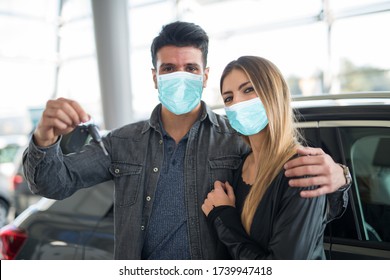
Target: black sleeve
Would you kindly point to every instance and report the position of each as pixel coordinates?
(337, 203)
(227, 223)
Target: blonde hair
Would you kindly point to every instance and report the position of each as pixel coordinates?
(281, 139)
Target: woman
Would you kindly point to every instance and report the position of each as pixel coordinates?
(263, 218)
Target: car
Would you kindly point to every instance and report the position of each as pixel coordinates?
(353, 128)
(22, 197)
(79, 227)
(9, 145)
(5, 200)
(15, 126)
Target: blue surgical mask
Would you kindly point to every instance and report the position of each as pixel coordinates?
(247, 117)
(180, 92)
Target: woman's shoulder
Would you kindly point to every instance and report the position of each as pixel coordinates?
(281, 183)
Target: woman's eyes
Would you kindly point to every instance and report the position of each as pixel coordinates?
(227, 99)
(249, 90)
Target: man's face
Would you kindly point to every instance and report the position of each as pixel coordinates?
(172, 59)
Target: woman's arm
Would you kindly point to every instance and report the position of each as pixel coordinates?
(296, 233)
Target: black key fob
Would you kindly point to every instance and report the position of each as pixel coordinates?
(75, 140)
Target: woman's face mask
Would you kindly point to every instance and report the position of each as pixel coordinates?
(247, 117)
(180, 92)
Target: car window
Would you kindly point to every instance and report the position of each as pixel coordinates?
(365, 150)
(363, 231)
(7, 153)
(370, 158)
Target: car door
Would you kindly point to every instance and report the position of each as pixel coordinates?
(363, 232)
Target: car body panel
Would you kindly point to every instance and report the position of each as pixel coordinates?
(79, 227)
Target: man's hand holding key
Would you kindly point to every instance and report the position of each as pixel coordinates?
(59, 117)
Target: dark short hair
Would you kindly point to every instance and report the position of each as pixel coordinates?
(181, 34)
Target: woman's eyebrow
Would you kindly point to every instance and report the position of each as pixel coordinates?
(239, 88)
(243, 84)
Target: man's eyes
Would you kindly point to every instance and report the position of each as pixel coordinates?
(191, 69)
(170, 69)
(167, 69)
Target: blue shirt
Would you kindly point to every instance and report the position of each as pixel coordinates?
(167, 233)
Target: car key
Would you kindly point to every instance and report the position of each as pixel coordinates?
(94, 132)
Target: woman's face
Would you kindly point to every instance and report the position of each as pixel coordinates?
(236, 87)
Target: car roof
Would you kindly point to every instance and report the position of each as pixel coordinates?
(346, 107)
(340, 100)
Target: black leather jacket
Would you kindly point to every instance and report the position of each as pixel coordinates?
(285, 225)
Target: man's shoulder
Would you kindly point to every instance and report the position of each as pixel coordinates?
(130, 130)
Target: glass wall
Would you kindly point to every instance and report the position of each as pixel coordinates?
(78, 77)
(321, 46)
(47, 47)
(28, 57)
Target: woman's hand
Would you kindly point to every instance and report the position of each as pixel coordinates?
(222, 194)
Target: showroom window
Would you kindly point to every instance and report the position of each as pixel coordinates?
(47, 48)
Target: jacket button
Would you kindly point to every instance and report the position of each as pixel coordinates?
(148, 198)
(155, 169)
(161, 141)
(142, 228)
(116, 170)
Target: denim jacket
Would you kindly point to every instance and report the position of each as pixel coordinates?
(135, 159)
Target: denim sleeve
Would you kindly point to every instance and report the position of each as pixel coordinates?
(52, 174)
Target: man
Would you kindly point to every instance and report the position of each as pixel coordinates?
(163, 167)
